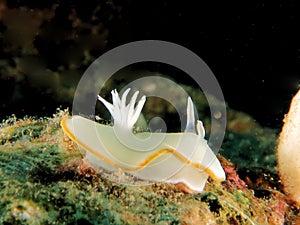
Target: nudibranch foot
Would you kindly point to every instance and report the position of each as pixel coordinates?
(174, 158)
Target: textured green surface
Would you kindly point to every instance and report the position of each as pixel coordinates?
(43, 180)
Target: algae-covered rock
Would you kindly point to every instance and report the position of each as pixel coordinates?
(44, 180)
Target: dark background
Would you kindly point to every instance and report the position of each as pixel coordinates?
(251, 46)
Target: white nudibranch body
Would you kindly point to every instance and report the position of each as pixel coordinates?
(173, 157)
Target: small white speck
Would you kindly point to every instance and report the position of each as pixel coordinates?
(217, 115)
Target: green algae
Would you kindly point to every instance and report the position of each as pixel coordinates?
(42, 181)
(251, 149)
(33, 192)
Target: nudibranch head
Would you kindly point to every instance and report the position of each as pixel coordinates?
(162, 157)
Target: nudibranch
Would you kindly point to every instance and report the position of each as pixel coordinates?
(174, 157)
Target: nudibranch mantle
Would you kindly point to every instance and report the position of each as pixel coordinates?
(178, 157)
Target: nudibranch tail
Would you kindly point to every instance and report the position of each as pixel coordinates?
(180, 157)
